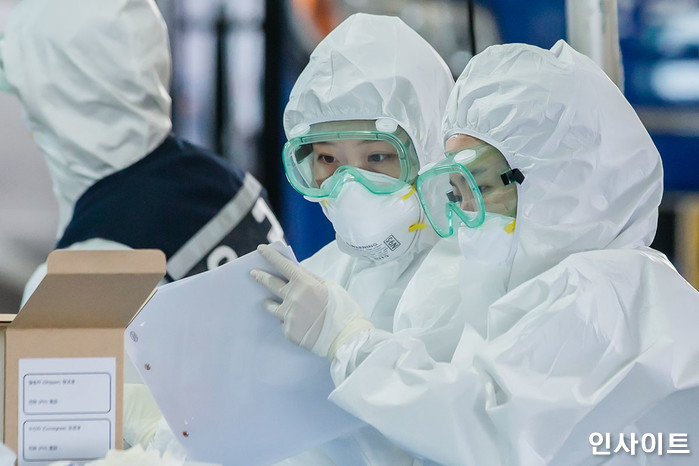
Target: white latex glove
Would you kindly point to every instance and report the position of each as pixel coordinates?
(316, 314)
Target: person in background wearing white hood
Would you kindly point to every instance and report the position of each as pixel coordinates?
(362, 118)
(93, 77)
(586, 333)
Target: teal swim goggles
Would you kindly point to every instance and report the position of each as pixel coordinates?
(318, 163)
(453, 190)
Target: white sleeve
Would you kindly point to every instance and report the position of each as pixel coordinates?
(584, 350)
(433, 410)
(33, 282)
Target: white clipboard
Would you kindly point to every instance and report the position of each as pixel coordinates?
(230, 385)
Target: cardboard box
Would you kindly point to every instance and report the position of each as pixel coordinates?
(64, 354)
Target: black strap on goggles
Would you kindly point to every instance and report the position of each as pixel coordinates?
(512, 176)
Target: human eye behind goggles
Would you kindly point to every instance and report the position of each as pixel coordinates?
(382, 157)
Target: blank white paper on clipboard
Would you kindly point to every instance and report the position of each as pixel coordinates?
(232, 388)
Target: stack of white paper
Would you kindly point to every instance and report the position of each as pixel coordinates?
(231, 386)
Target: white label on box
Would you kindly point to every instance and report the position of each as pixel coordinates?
(65, 409)
(57, 440)
(67, 393)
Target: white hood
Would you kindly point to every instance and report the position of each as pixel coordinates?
(93, 79)
(593, 176)
(371, 67)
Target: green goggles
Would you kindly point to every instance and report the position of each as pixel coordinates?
(450, 190)
(317, 165)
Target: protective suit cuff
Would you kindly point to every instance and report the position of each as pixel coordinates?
(348, 331)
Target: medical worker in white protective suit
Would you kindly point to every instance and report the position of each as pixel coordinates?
(586, 329)
(362, 118)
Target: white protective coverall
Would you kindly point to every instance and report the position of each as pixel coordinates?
(374, 67)
(371, 67)
(595, 332)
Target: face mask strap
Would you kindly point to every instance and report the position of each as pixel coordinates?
(512, 176)
(449, 230)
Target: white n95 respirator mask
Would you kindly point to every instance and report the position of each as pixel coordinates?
(492, 243)
(379, 227)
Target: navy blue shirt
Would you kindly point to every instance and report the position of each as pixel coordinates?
(181, 199)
